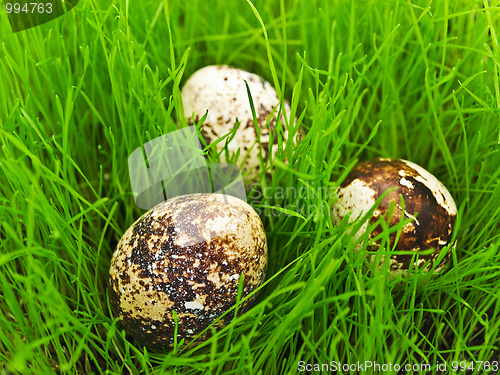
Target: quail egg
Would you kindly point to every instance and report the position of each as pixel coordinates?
(221, 90)
(186, 255)
(427, 203)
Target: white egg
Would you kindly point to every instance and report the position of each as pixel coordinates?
(221, 90)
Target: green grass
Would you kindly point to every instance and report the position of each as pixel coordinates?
(414, 80)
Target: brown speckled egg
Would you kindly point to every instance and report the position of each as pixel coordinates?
(186, 255)
(221, 90)
(427, 203)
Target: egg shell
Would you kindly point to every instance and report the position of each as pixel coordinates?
(221, 90)
(186, 254)
(427, 202)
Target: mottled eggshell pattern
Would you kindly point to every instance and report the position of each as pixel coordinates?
(427, 202)
(221, 90)
(186, 254)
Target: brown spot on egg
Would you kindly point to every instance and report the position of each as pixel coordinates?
(186, 255)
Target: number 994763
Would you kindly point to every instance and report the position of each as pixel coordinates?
(39, 8)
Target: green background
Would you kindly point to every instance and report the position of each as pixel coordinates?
(409, 79)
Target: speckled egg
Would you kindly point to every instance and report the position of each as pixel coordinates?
(221, 90)
(427, 203)
(186, 255)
